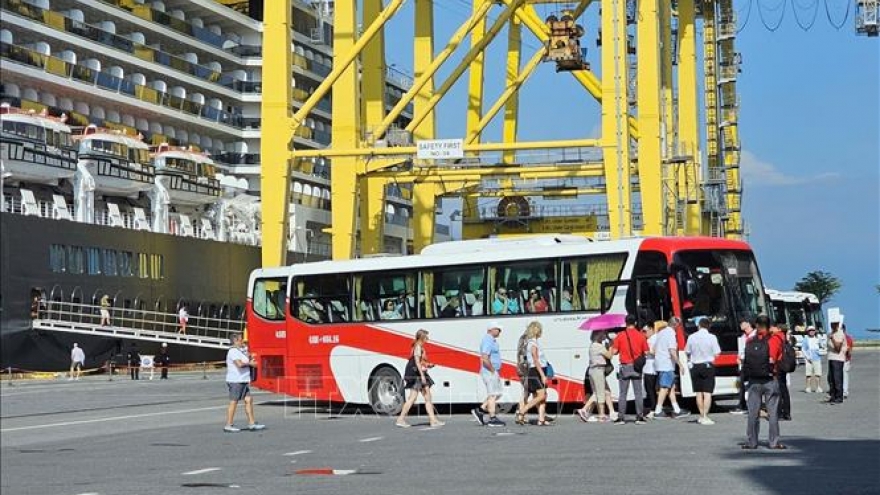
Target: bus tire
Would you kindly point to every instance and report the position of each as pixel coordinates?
(386, 391)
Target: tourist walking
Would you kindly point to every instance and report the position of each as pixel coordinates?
(597, 372)
(238, 379)
(666, 362)
(702, 348)
(536, 379)
(417, 380)
(759, 367)
(105, 310)
(77, 359)
(632, 347)
(182, 318)
(490, 367)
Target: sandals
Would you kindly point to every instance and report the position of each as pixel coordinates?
(520, 419)
(544, 423)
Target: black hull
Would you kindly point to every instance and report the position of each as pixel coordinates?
(203, 273)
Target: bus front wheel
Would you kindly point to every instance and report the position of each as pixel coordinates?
(386, 391)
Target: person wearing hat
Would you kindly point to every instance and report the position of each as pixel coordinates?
(163, 360)
(812, 361)
(490, 366)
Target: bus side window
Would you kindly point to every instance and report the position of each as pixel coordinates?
(268, 298)
(587, 275)
(322, 298)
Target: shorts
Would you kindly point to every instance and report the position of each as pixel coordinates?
(533, 382)
(105, 313)
(665, 379)
(77, 365)
(415, 382)
(238, 391)
(813, 368)
(493, 384)
(703, 377)
(183, 319)
(597, 381)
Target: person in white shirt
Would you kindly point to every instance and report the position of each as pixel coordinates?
(77, 358)
(665, 351)
(702, 348)
(812, 361)
(238, 378)
(182, 318)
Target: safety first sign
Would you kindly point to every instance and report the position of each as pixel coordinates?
(440, 149)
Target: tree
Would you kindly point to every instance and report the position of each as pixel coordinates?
(823, 284)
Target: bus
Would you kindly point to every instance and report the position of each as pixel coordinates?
(340, 331)
(798, 310)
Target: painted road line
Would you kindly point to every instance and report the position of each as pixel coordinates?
(371, 439)
(299, 452)
(200, 471)
(112, 418)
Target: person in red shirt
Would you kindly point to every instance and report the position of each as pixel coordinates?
(763, 386)
(630, 344)
(848, 362)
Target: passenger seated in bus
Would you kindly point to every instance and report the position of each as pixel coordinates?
(390, 311)
(452, 308)
(536, 302)
(504, 304)
(477, 308)
(338, 311)
(310, 311)
(565, 303)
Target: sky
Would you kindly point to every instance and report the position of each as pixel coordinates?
(809, 124)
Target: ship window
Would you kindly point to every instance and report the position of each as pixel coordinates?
(268, 297)
(125, 260)
(157, 266)
(57, 259)
(110, 263)
(93, 255)
(143, 265)
(75, 259)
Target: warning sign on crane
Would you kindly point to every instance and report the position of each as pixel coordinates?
(440, 149)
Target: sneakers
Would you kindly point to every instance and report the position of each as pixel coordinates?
(402, 425)
(495, 422)
(705, 421)
(619, 421)
(437, 424)
(738, 411)
(478, 414)
(808, 391)
(650, 415)
(640, 420)
(592, 419)
(614, 416)
(819, 390)
(681, 414)
(256, 427)
(583, 415)
(661, 415)
(231, 429)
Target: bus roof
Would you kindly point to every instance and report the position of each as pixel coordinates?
(512, 249)
(791, 296)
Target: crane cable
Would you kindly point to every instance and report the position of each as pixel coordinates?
(845, 16)
(781, 6)
(745, 23)
(812, 22)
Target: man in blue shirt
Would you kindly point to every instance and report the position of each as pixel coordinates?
(504, 303)
(490, 366)
(812, 360)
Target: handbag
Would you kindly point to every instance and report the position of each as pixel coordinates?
(548, 371)
(609, 367)
(639, 362)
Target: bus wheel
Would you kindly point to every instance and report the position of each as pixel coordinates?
(386, 391)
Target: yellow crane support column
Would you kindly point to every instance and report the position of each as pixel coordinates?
(615, 131)
(371, 190)
(511, 107)
(688, 117)
(276, 105)
(715, 172)
(423, 50)
(346, 134)
(648, 89)
(476, 76)
(669, 121)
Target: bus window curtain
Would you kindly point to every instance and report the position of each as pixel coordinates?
(600, 269)
(428, 292)
(409, 306)
(358, 310)
(575, 293)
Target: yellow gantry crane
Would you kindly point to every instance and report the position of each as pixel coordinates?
(650, 144)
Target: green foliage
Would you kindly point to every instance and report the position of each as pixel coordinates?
(823, 284)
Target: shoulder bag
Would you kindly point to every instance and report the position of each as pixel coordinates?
(638, 362)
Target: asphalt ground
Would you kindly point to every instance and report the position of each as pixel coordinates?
(165, 437)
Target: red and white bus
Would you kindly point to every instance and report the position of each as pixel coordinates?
(341, 330)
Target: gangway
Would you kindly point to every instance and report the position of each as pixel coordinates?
(136, 324)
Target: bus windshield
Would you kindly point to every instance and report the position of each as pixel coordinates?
(722, 285)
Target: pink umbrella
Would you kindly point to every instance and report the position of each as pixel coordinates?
(604, 322)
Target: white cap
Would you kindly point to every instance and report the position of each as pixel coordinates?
(164, 344)
(494, 324)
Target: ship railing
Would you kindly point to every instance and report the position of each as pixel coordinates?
(140, 319)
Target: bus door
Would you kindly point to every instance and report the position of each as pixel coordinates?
(267, 326)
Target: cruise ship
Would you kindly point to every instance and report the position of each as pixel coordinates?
(130, 165)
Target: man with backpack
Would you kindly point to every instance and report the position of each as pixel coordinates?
(760, 357)
(787, 364)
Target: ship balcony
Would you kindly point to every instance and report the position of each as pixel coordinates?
(117, 176)
(31, 161)
(188, 190)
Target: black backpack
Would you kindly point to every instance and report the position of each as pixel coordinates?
(522, 360)
(756, 359)
(788, 363)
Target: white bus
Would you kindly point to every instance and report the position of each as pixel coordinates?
(341, 330)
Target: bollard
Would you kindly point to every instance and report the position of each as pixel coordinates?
(204, 370)
(110, 369)
(10, 376)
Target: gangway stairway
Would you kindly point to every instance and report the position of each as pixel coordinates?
(135, 324)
